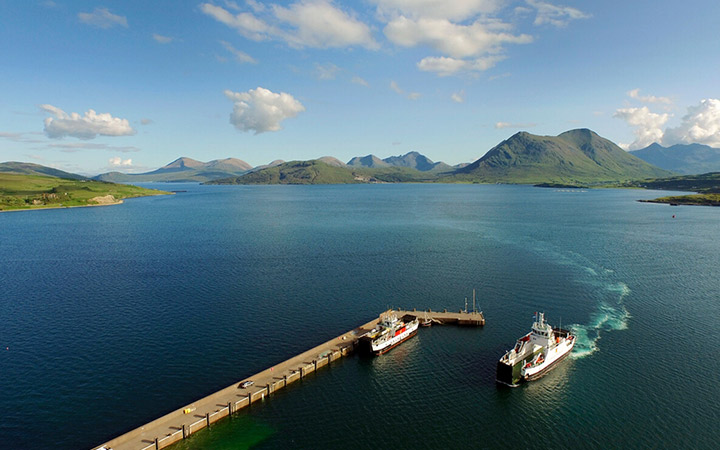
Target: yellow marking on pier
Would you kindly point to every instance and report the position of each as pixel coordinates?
(195, 416)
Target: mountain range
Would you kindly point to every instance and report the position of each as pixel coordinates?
(690, 159)
(576, 156)
(412, 160)
(182, 170)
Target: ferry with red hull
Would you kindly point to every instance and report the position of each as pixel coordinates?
(534, 354)
(388, 334)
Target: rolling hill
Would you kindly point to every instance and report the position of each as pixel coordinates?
(576, 156)
(320, 172)
(689, 159)
(36, 169)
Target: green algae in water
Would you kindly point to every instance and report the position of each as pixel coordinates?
(237, 433)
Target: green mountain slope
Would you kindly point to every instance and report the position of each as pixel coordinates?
(36, 169)
(576, 156)
(686, 159)
(319, 172)
(370, 161)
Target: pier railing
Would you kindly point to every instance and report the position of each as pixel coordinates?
(200, 414)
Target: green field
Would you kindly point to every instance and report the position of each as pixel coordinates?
(693, 199)
(18, 191)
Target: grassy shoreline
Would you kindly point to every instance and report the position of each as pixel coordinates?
(20, 192)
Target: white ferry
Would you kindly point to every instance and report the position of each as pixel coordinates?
(389, 333)
(535, 354)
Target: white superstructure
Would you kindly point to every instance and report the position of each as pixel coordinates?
(535, 353)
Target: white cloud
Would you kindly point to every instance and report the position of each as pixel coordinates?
(457, 41)
(308, 23)
(458, 97)
(262, 110)
(558, 16)
(457, 10)
(87, 126)
(410, 96)
(240, 56)
(444, 66)
(102, 18)
(326, 71)
(648, 125)
(501, 125)
(700, 125)
(162, 39)
(357, 80)
(119, 162)
(635, 94)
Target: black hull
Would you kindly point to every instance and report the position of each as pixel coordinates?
(504, 374)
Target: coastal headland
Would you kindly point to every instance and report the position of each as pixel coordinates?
(21, 192)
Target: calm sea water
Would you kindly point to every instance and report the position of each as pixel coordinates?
(113, 316)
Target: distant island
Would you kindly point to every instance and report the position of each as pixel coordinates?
(706, 185)
(571, 158)
(25, 186)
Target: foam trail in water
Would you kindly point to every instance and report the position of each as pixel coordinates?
(607, 317)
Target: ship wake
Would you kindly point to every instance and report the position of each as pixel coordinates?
(610, 315)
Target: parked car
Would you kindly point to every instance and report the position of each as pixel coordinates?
(247, 383)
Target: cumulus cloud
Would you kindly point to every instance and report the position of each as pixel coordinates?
(557, 16)
(700, 125)
(648, 125)
(102, 18)
(162, 39)
(501, 125)
(240, 56)
(87, 126)
(119, 162)
(464, 33)
(635, 94)
(262, 110)
(308, 23)
(457, 41)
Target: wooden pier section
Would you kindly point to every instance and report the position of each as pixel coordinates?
(195, 416)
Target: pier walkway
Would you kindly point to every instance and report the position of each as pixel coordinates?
(181, 423)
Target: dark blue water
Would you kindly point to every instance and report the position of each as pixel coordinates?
(113, 316)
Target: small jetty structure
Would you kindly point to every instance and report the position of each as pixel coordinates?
(191, 418)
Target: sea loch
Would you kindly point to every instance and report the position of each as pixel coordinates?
(114, 316)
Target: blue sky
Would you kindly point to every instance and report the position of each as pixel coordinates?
(93, 86)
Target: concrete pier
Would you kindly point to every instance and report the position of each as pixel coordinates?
(195, 416)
